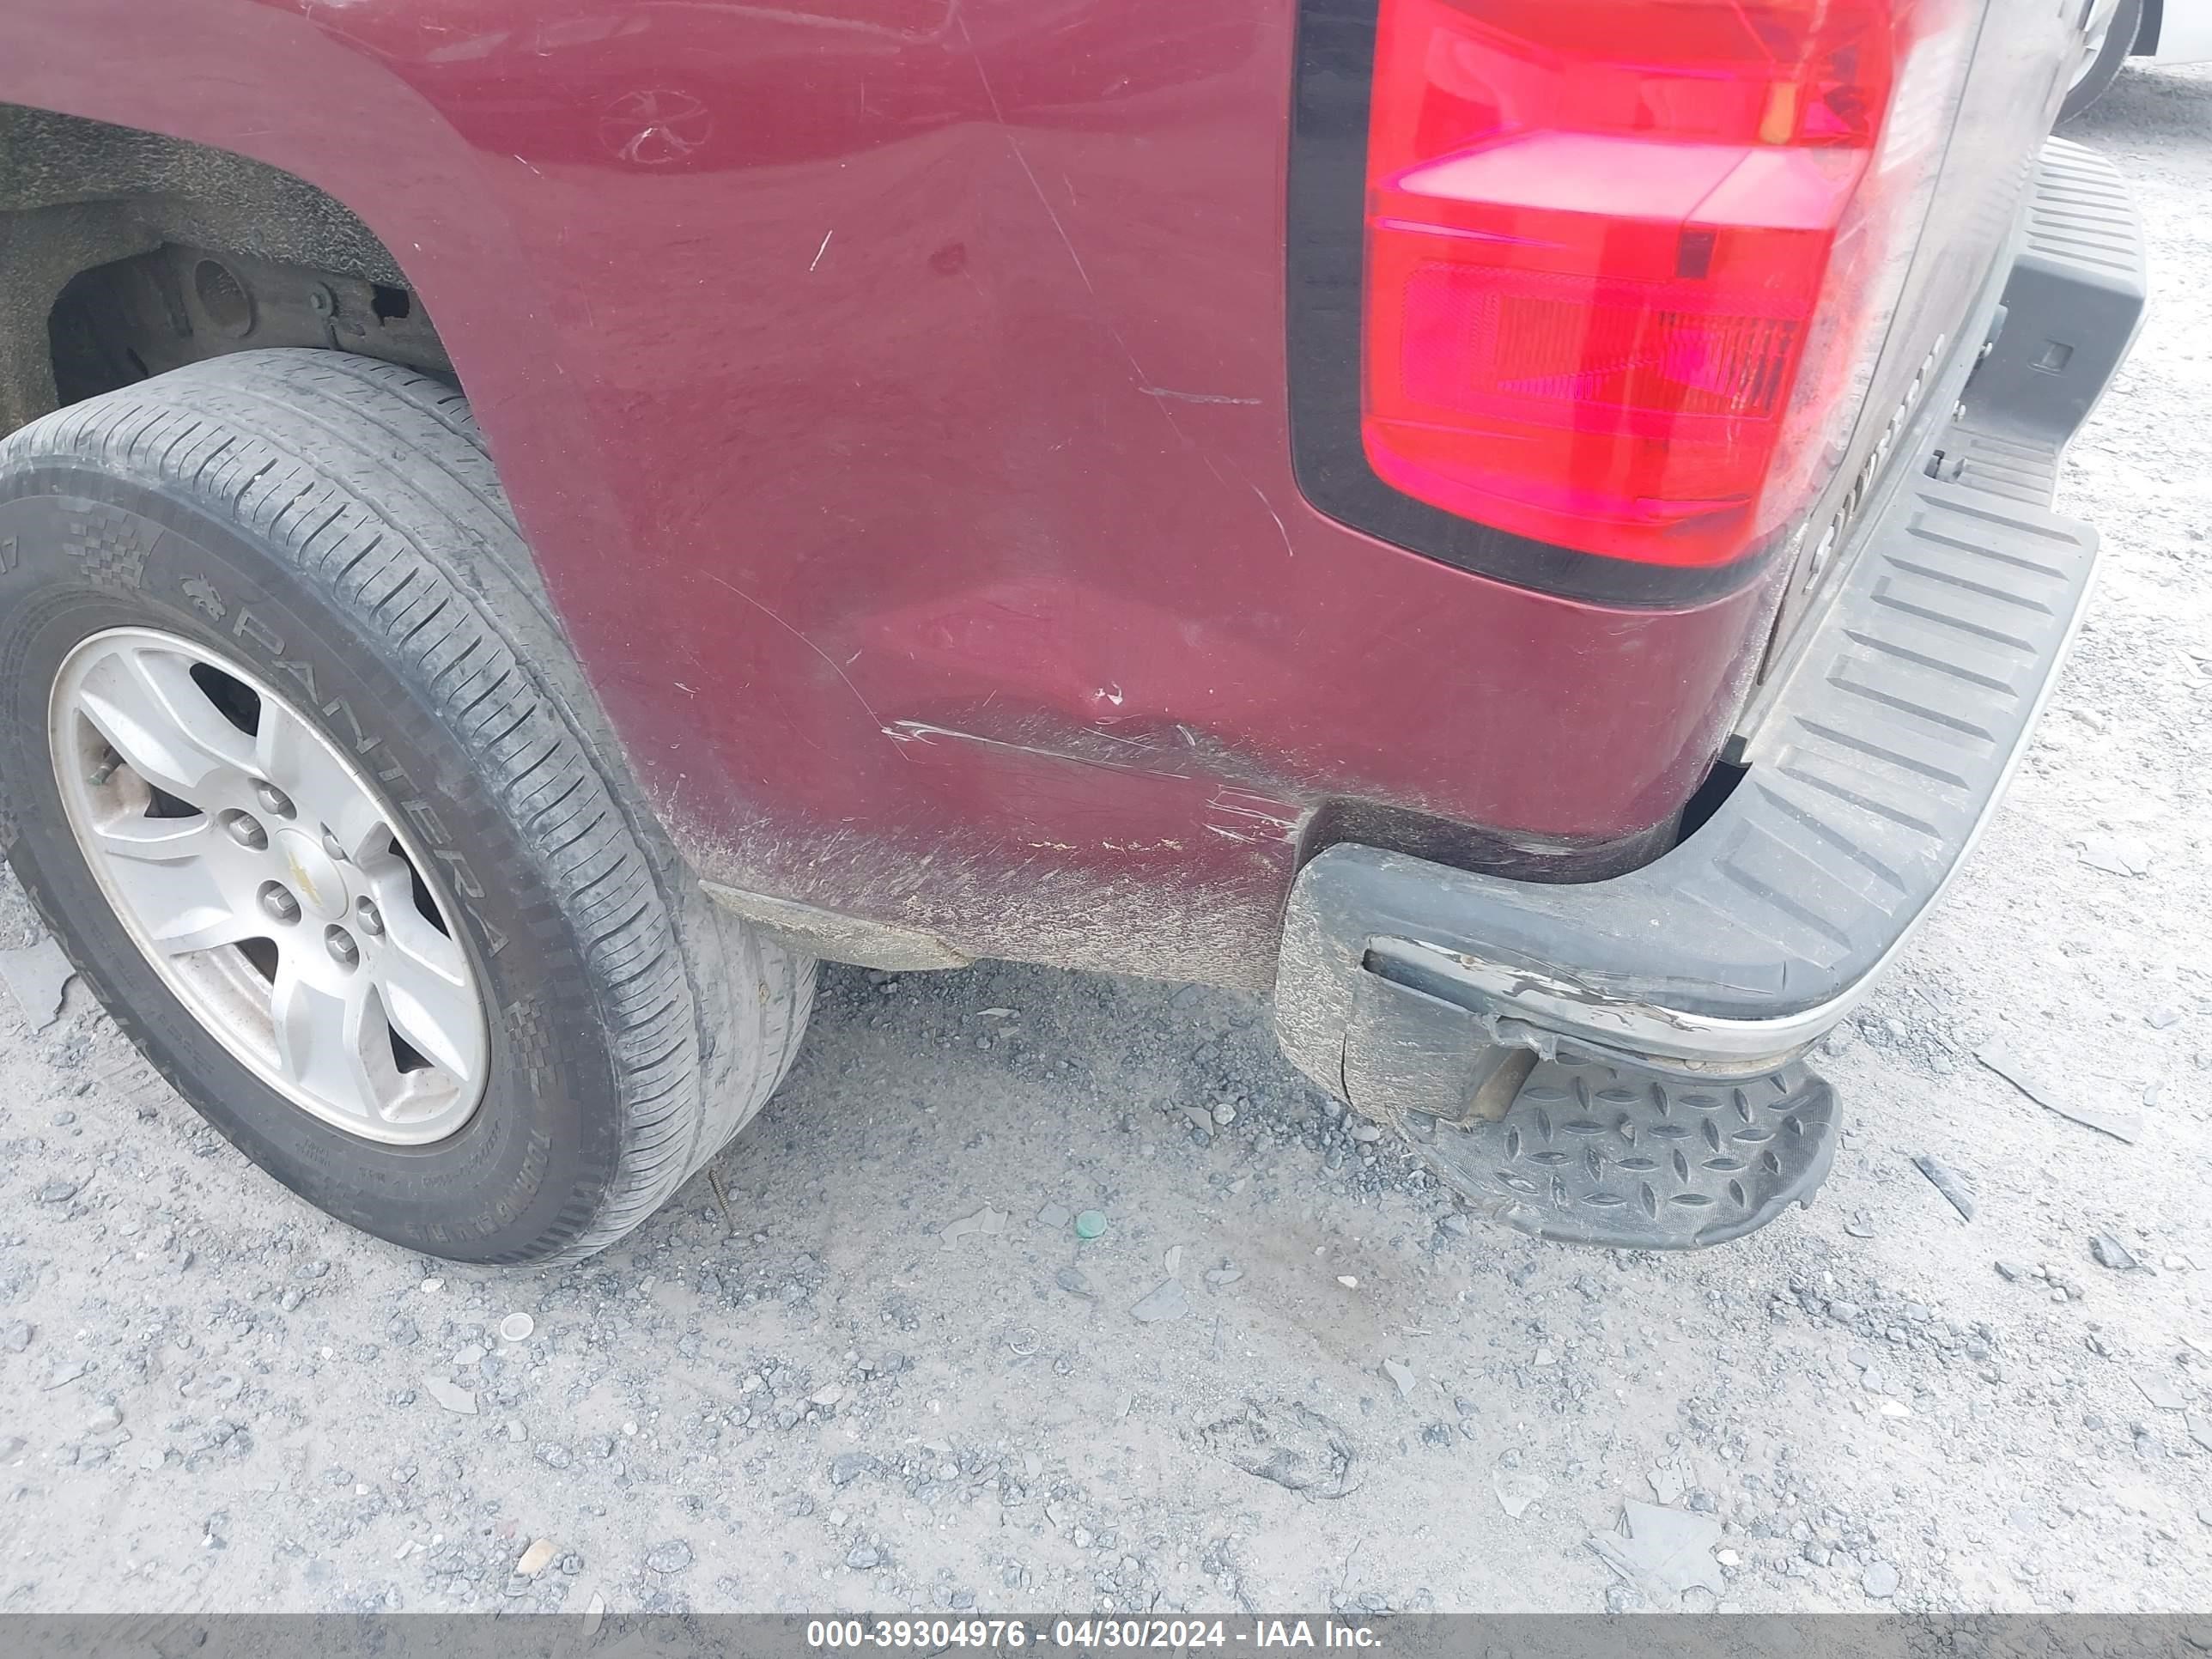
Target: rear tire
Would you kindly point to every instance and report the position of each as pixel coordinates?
(332, 528)
(2112, 57)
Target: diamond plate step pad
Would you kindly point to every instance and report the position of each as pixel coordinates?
(1595, 1154)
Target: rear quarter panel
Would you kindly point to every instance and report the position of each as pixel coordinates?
(893, 392)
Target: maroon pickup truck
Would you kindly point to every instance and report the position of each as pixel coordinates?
(1522, 526)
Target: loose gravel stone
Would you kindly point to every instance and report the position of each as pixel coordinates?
(1167, 1300)
(450, 1396)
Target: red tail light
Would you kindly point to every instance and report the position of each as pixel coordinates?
(1628, 261)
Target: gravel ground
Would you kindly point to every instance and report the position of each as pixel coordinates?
(870, 1364)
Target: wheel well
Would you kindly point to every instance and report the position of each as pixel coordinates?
(123, 254)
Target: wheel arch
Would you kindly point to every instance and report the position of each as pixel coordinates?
(297, 137)
(77, 195)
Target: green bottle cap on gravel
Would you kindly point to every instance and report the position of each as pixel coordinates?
(1090, 1224)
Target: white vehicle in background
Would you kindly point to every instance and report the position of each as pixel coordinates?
(2166, 31)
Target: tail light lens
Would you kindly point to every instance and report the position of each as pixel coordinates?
(1629, 262)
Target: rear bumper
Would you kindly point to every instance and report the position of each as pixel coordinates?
(1737, 949)
(1406, 986)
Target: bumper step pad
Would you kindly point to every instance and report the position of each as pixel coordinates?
(1595, 1154)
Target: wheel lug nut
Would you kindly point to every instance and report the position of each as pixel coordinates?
(246, 829)
(278, 901)
(273, 799)
(343, 952)
(371, 919)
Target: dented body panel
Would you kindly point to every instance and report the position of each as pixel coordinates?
(894, 393)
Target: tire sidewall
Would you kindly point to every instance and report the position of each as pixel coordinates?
(83, 549)
(2112, 59)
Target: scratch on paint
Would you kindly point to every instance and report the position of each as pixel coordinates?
(834, 667)
(1196, 397)
(825, 248)
(1160, 396)
(1015, 145)
(1259, 809)
(1279, 529)
(904, 731)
